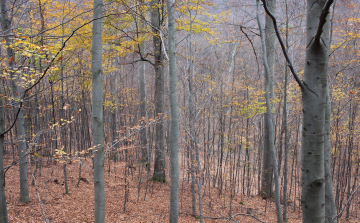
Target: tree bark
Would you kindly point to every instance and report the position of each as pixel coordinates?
(3, 207)
(143, 114)
(6, 25)
(270, 56)
(97, 112)
(269, 121)
(174, 125)
(159, 166)
(314, 103)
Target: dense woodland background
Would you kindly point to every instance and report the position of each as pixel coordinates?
(221, 109)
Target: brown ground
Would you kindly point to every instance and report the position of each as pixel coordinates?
(78, 205)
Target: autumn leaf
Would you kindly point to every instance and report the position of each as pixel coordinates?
(11, 59)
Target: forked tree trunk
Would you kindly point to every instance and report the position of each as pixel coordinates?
(314, 105)
(97, 112)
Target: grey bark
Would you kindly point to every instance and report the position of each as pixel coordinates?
(174, 122)
(269, 121)
(3, 207)
(6, 26)
(285, 120)
(97, 112)
(330, 206)
(159, 166)
(63, 114)
(270, 56)
(143, 115)
(314, 104)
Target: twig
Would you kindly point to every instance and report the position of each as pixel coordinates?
(347, 203)
(282, 45)
(325, 11)
(249, 216)
(131, 134)
(38, 195)
(247, 37)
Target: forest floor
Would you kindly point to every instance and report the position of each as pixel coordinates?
(78, 205)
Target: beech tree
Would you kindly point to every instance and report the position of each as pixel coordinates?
(314, 100)
(156, 21)
(271, 153)
(97, 112)
(174, 125)
(267, 172)
(6, 26)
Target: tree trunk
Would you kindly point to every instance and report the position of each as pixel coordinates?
(270, 56)
(314, 104)
(269, 121)
(159, 166)
(174, 125)
(330, 206)
(24, 187)
(3, 207)
(97, 112)
(143, 115)
(285, 120)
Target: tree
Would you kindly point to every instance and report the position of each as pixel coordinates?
(156, 20)
(174, 125)
(6, 25)
(314, 90)
(269, 119)
(97, 112)
(314, 103)
(3, 207)
(142, 96)
(267, 172)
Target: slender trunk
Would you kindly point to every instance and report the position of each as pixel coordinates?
(330, 206)
(270, 57)
(174, 125)
(285, 120)
(97, 112)
(63, 127)
(143, 115)
(159, 166)
(6, 25)
(270, 123)
(3, 207)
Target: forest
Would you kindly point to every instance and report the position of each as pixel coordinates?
(179, 111)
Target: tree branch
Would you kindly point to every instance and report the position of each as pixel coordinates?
(325, 11)
(247, 37)
(282, 45)
(347, 203)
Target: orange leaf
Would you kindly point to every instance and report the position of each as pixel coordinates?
(11, 59)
